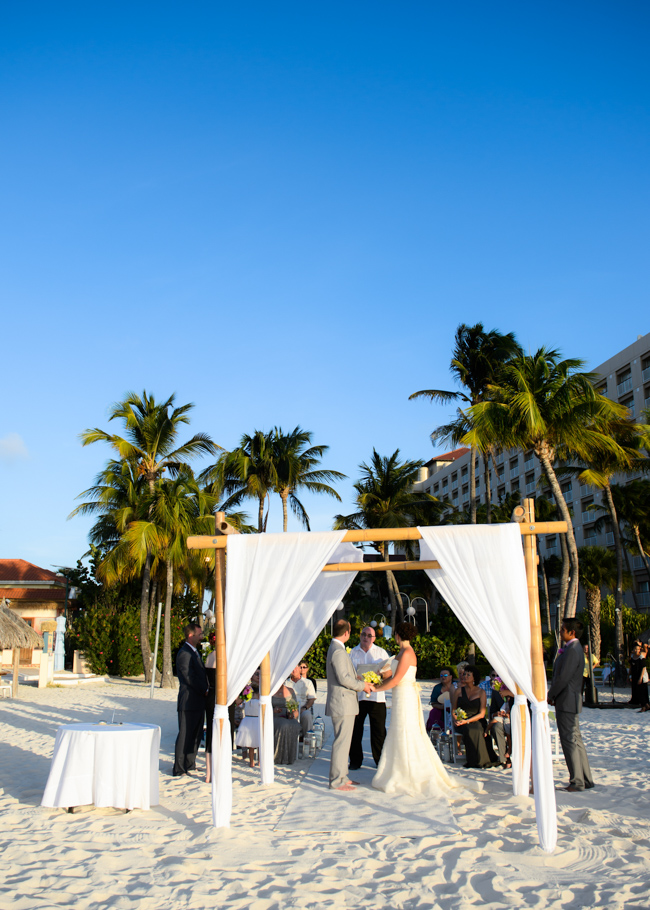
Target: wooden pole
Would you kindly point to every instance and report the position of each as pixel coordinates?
(381, 566)
(536, 646)
(205, 542)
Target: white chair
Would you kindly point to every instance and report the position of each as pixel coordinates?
(5, 688)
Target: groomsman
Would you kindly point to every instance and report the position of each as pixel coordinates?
(566, 694)
(192, 689)
(342, 705)
(372, 706)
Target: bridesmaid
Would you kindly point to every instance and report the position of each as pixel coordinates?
(472, 699)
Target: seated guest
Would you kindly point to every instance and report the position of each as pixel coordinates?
(286, 728)
(473, 701)
(441, 693)
(305, 696)
(498, 728)
(304, 672)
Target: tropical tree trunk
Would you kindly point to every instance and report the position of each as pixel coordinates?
(152, 604)
(488, 487)
(564, 576)
(472, 485)
(396, 597)
(592, 596)
(618, 594)
(260, 515)
(145, 646)
(284, 495)
(543, 453)
(642, 552)
(167, 681)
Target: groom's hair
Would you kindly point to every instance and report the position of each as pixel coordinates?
(341, 626)
(573, 625)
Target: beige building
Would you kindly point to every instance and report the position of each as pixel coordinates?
(625, 377)
(34, 594)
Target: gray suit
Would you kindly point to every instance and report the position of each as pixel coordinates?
(566, 693)
(342, 706)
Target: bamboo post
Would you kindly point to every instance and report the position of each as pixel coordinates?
(536, 647)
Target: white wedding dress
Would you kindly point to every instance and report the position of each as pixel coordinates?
(409, 764)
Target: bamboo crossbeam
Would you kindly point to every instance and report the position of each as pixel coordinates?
(206, 542)
(409, 566)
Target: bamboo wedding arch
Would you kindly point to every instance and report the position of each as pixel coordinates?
(523, 515)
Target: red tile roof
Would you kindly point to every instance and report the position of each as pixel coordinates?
(451, 456)
(20, 570)
(33, 595)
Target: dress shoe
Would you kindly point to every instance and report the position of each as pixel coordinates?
(571, 789)
(353, 767)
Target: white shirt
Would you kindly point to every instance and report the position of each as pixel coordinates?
(304, 689)
(371, 656)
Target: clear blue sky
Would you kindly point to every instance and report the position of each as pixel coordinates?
(281, 212)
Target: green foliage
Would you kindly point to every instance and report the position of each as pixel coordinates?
(316, 657)
(108, 634)
(448, 629)
(633, 623)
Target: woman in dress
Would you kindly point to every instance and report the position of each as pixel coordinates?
(247, 735)
(409, 764)
(441, 693)
(286, 727)
(638, 678)
(472, 699)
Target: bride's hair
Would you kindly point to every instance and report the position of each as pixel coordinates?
(406, 631)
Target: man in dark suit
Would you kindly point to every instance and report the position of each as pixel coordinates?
(566, 694)
(192, 689)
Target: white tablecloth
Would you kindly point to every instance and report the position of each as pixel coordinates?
(108, 765)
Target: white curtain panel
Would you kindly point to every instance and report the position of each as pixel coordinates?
(482, 577)
(267, 577)
(308, 620)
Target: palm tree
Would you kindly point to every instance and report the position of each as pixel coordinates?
(477, 358)
(248, 472)
(181, 507)
(601, 466)
(386, 499)
(150, 443)
(542, 403)
(295, 462)
(598, 569)
(632, 503)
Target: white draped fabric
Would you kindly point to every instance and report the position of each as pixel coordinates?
(268, 577)
(310, 616)
(482, 577)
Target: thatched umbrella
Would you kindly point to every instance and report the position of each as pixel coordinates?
(15, 633)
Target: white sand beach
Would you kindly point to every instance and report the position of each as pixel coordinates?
(284, 852)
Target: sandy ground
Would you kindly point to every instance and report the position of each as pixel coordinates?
(171, 857)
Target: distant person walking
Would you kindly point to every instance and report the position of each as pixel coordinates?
(566, 694)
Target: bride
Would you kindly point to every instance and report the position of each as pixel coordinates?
(409, 763)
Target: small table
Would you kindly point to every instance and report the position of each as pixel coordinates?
(108, 765)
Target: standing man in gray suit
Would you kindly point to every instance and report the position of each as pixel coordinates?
(342, 704)
(566, 694)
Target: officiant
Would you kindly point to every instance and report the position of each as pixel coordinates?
(372, 706)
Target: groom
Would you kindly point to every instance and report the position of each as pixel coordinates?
(342, 704)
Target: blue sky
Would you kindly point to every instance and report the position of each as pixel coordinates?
(281, 212)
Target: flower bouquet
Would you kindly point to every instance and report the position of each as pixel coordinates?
(291, 706)
(459, 714)
(247, 692)
(371, 677)
(497, 682)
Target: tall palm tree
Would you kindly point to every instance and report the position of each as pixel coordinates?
(477, 358)
(247, 472)
(598, 569)
(597, 471)
(181, 507)
(150, 443)
(386, 499)
(295, 462)
(546, 404)
(632, 503)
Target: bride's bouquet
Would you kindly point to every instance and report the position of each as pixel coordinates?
(371, 677)
(459, 714)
